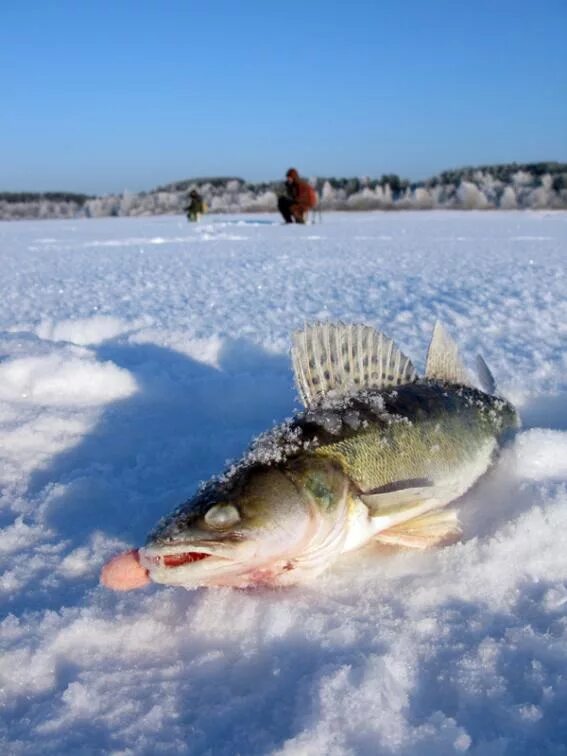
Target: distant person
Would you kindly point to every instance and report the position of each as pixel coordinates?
(298, 199)
(196, 206)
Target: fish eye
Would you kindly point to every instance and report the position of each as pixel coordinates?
(222, 516)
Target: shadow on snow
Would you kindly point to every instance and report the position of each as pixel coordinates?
(148, 453)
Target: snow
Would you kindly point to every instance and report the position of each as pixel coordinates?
(137, 356)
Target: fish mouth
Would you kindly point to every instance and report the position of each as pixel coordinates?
(169, 556)
(194, 565)
(178, 560)
(152, 557)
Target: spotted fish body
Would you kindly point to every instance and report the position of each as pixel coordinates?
(409, 451)
(419, 430)
(378, 453)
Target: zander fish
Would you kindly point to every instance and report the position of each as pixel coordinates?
(378, 453)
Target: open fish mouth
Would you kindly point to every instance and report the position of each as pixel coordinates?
(193, 565)
(171, 559)
(177, 560)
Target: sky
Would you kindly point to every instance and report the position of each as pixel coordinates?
(104, 96)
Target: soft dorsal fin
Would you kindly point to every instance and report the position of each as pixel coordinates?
(343, 359)
(487, 382)
(443, 360)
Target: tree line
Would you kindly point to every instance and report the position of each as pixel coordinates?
(540, 185)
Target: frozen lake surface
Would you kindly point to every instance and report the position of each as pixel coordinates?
(137, 356)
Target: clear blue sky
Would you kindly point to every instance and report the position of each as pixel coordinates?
(105, 95)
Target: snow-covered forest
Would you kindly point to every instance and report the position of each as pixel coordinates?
(537, 186)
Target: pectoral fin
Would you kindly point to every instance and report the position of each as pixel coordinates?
(440, 527)
(398, 496)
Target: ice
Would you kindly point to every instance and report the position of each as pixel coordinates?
(137, 356)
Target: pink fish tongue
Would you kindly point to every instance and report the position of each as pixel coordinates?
(124, 572)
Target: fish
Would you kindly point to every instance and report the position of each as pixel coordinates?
(377, 454)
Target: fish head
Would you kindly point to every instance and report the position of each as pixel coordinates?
(233, 533)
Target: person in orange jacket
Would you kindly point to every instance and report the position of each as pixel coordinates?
(299, 198)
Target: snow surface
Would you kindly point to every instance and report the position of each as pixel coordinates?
(137, 356)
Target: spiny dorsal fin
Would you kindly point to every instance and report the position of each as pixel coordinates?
(343, 359)
(443, 360)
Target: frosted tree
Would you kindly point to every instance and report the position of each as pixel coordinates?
(387, 195)
(437, 195)
(542, 196)
(406, 200)
(422, 199)
(269, 201)
(127, 203)
(508, 200)
(327, 195)
(521, 178)
(363, 200)
(470, 197)
(233, 186)
(95, 208)
(45, 209)
(490, 187)
(217, 204)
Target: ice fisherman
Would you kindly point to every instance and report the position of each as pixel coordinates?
(196, 206)
(298, 199)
